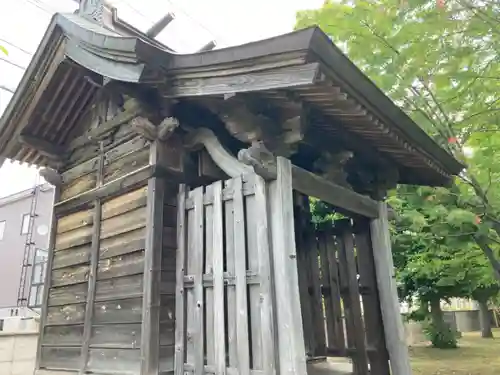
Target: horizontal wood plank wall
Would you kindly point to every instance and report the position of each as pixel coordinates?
(114, 310)
(62, 334)
(225, 300)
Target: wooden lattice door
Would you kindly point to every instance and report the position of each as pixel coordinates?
(224, 318)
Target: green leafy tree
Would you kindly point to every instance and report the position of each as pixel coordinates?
(432, 238)
(439, 62)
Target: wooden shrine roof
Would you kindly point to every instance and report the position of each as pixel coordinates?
(302, 66)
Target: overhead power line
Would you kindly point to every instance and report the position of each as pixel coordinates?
(5, 88)
(40, 6)
(16, 46)
(12, 63)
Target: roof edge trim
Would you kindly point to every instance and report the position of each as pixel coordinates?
(366, 91)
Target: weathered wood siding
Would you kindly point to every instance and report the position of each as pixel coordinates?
(116, 316)
(93, 318)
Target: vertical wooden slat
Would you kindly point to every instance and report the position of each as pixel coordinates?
(325, 283)
(210, 339)
(180, 303)
(379, 360)
(94, 261)
(218, 281)
(150, 341)
(190, 298)
(253, 289)
(335, 325)
(48, 277)
(195, 263)
(386, 283)
(352, 303)
(301, 221)
(264, 255)
(240, 278)
(315, 288)
(292, 356)
(231, 292)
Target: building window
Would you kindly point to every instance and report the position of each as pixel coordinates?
(2, 229)
(25, 224)
(37, 277)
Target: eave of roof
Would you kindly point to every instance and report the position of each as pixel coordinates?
(134, 59)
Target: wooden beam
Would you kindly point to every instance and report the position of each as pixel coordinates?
(160, 25)
(43, 146)
(207, 47)
(345, 200)
(301, 75)
(387, 289)
(114, 187)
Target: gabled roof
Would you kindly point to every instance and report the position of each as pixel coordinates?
(75, 53)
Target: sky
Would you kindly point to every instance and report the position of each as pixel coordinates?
(228, 22)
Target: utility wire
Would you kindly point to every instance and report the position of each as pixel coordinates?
(5, 88)
(12, 63)
(39, 6)
(16, 47)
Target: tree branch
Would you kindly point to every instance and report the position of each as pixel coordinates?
(483, 244)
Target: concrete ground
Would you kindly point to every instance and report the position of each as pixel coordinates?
(330, 366)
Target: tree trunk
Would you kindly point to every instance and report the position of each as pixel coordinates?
(442, 335)
(485, 320)
(437, 315)
(488, 251)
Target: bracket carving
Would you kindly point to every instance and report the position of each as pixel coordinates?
(331, 166)
(224, 160)
(51, 176)
(372, 182)
(260, 158)
(162, 132)
(250, 127)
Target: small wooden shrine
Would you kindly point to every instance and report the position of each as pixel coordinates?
(182, 239)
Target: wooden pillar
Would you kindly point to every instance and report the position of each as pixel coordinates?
(389, 303)
(292, 355)
(94, 260)
(375, 339)
(150, 335)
